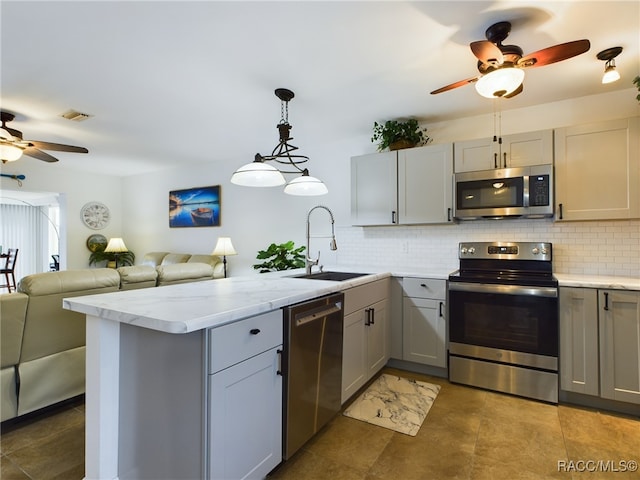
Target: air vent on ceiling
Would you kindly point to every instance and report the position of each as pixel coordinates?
(75, 115)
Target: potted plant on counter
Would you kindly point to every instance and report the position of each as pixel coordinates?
(395, 135)
(280, 257)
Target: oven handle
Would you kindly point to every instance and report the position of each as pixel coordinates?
(504, 289)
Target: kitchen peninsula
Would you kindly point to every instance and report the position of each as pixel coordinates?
(149, 411)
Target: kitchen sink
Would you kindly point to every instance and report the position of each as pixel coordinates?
(335, 276)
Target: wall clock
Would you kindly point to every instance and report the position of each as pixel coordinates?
(95, 215)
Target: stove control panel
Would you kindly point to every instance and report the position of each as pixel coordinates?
(506, 251)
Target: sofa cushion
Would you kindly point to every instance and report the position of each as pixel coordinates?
(49, 328)
(212, 260)
(137, 276)
(172, 258)
(183, 273)
(154, 259)
(13, 308)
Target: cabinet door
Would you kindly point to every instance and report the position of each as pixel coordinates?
(597, 171)
(424, 331)
(245, 418)
(474, 155)
(374, 196)
(579, 371)
(425, 184)
(620, 345)
(354, 354)
(377, 338)
(525, 149)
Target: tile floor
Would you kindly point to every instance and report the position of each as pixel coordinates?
(468, 434)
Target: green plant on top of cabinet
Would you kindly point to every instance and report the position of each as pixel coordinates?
(598, 170)
(410, 186)
(517, 150)
(600, 343)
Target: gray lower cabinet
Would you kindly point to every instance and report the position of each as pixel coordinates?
(600, 343)
(366, 338)
(424, 322)
(245, 398)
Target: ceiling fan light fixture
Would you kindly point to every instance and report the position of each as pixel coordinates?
(306, 185)
(257, 174)
(9, 153)
(500, 82)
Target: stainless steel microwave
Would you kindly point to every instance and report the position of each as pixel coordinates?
(504, 192)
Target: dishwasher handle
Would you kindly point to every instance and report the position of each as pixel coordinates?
(307, 316)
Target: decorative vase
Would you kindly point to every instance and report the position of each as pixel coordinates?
(400, 144)
(111, 264)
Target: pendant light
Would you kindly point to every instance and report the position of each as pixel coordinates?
(608, 56)
(260, 174)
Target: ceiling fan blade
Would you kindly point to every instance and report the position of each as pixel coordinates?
(58, 147)
(35, 153)
(554, 54)
(461, 83)
(515, 92)
(487, 52)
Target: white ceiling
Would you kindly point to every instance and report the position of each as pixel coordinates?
(178, 81)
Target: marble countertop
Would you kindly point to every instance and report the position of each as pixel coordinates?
(598, 281)
(189, 307)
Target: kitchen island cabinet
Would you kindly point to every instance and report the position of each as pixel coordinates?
(409, 186)
(600, 343)
(598, 170)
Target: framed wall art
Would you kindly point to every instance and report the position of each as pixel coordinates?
(195, 207)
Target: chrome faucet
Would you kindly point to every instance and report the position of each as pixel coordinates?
(310, 262)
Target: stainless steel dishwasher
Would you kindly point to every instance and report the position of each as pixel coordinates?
(312, 368)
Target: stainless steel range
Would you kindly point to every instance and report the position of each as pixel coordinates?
(503, 319)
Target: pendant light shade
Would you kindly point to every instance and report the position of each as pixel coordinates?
(306, 186)
(259, 174)
(500, 82)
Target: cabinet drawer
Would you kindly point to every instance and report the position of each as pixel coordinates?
(424, 288)
(238, 341)
(360, 297)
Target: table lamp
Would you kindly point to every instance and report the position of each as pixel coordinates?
(223, 248)
(116, 246)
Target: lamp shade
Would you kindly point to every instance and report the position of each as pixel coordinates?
(500, 82)
(306, 186)
(9, 153)
(116, 245)
(224, 247)
(257, 174)
(610, 74)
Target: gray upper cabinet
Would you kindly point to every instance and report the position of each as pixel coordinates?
(598, 171)
(411, 186)
(517, 150)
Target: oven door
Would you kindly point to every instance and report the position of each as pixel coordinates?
(512, 318)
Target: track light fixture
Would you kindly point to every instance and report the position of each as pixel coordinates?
(608, 56)
(260, 174)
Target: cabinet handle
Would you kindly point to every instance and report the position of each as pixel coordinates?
(441, 306)
(279, 370)
(254, 331)
(367, 318)
(606, 301)
(560, 207)
(505, 159)
(495, 160)
(373, 316)
(393, 216)
(449, 214)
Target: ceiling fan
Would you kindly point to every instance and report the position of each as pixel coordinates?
(12, 146)
(501, 66)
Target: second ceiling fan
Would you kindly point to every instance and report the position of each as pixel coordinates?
(501, 66)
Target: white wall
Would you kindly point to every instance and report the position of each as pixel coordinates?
(253, 218)
(74, 189)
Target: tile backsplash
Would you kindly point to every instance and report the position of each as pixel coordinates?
(595, 248)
